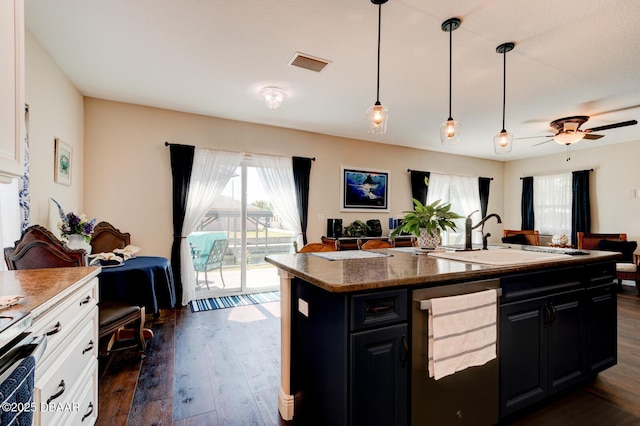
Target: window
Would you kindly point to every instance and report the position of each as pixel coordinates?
(552, 203)
(464, 195)
(9, 215)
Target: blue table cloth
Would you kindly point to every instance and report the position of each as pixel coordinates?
(145, 281)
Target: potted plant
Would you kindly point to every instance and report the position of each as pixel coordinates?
(357, 228)
(426, 221)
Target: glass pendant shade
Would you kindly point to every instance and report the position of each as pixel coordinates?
(450, 132)
(502, 142)
(377, 116)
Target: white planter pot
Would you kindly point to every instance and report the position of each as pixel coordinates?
(429, 240)
(76, 242)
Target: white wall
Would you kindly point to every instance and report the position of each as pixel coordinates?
(128, 175)
(56, 111)
(615, 175)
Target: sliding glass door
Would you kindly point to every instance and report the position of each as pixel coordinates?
(242, 225)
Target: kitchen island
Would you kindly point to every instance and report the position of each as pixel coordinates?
(352, 334)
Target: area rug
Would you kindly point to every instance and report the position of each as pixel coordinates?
(231, 301)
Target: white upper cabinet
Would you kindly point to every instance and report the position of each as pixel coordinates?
(12, 105)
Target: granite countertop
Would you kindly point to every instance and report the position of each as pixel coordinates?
(404, 267)
(41, 287)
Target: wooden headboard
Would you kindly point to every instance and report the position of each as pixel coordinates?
(106, 238)
(38, 248)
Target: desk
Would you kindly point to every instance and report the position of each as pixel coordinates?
(145, 280)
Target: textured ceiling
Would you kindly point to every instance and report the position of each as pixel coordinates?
(211, 57)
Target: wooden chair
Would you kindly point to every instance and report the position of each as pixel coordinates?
(374, 244)
(532, 237)
(106, 238)
(38, 248)
(315, 247)
(627, 268)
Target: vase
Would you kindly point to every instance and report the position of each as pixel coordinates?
(76, 241)
(429, 240)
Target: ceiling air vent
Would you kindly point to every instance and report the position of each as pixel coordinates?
(308, 62)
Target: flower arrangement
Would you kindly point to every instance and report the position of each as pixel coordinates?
(72, 224)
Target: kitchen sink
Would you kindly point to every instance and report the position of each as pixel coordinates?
(500, 257)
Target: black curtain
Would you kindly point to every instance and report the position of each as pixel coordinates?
(418, 188)
(181, 165)
(301, 172)
(483, 185)
(580, 204)
(528, 221)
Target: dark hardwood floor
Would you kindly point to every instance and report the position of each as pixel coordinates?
(222, 367)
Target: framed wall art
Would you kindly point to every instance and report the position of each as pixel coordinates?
(63, 163)
(364, 190)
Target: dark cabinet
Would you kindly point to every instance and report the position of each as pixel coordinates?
(558, 328)
(602, 336)
(349, 357)
(379, 376)
(543, 348)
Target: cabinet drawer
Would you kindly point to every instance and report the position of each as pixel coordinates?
(601, 273)
(60, 320)
(67, 369)
(376, 309)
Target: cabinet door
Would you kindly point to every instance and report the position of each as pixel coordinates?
(566, 340)
(523, 355)
(601, 328)
(11, 88)
(379, 376)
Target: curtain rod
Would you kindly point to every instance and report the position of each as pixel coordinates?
(224, 150)
(409, 171)
(585, 170)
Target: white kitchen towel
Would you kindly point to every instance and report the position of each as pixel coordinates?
(462, 332)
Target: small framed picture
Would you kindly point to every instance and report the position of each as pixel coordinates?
(63, 163)
(364, 190)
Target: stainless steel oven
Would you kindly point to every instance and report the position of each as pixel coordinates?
(19, 353)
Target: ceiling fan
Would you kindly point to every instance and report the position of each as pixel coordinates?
(567, 130)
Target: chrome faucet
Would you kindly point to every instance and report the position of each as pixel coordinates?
(468, 227)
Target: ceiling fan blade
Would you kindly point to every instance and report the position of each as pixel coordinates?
(532, 137)
(592, 137)
(540, 143)
(612, 126)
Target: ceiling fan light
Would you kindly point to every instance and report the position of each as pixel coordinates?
(377, 116)
(503, 142)
(273, 97)
(568, 138)
(450, 132)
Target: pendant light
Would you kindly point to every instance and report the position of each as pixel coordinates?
(378, 115)
(450, 129)
(503, 141)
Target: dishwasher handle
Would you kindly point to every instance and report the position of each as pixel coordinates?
(425, 305)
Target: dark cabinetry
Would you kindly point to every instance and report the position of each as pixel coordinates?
(558, 328)
(350, 363)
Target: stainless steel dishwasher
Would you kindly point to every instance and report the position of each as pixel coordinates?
(468, 397)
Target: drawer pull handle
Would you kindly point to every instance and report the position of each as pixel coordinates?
(379, 309)
(62, 387)
(88, 348)
(88, 413)
(85, 300)
(56, 329)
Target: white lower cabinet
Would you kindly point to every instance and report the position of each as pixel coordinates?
(67, 375)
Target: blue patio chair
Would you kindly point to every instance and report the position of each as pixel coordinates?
(211, 261)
